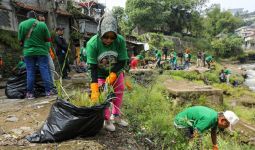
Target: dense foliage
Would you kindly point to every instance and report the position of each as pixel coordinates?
(205, 29)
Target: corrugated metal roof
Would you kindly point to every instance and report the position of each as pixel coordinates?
(28, 7)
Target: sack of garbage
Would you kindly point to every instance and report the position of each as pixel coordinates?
(16, 86)
(67, 121)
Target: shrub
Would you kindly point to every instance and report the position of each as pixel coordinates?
(10, 39)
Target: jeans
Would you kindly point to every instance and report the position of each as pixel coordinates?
(43, 64)
(186, 65)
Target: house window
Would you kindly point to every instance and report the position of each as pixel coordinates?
(5, 19)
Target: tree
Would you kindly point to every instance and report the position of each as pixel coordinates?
(179, 14)
(227, 46)
(118, 13)
(125, 26)
(164, 15)
(217, 22)
(145, 13)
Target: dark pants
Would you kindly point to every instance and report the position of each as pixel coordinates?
(165, 53)
(63, 65)
(158, 63)
(43, 64)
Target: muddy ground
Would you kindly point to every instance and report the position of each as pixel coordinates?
(19, 118)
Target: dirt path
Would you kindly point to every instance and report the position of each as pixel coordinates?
(19, 118)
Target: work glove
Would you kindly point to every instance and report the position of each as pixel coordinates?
(128, 85)
(94, 92)
(111, 78)
(215, 147)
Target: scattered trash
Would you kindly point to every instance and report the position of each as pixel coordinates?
(12, 118)
(17, 131)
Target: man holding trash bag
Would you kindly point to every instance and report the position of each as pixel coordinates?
(195, 120)
(107, 56)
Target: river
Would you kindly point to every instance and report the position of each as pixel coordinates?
(250, 71)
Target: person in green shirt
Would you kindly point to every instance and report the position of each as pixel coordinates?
(107, 57)
(193, 121)
(20, 66)
(158, 58)
(227, 73)
(83, 55)
(34, 36)
(173, 61)
(187, 58)
(209, 60)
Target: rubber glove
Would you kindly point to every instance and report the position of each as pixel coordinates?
(94, 92)
(215, 147)
(111, 78)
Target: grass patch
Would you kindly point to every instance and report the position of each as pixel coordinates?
(151, 113)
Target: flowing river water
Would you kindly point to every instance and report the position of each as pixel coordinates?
(250, 72)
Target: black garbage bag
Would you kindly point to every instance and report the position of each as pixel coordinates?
(67, 121)
(16, 86)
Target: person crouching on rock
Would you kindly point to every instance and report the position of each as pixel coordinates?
(107, 57)
(195, 120)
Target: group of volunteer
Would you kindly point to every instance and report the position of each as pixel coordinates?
(106, 55)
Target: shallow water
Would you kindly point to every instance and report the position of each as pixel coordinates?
(250, 71)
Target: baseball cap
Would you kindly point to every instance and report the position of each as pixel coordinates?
(231, 117)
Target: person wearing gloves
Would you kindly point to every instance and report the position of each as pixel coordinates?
(107, 57)
(195, 120)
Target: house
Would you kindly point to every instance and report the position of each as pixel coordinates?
(248, 34)
(8, 19)
(14, 12)
(91, 13)
(134, 46)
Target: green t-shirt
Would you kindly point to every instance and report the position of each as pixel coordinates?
(21, 65)
(106, 56)
(83, 54)
(197, 117)
(174, 54)
(158, 54)
(37, 43)
(227, 71)
(173, 60)
(208, 58)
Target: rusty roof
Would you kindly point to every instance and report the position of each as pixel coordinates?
(28, 7)
(63, 12)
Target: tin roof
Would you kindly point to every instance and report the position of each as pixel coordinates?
(28, 7)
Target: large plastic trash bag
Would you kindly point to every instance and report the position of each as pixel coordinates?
(16, 86)
(67, 121)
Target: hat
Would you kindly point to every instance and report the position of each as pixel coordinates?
(60, 28)
(231, 117)
(107, 23)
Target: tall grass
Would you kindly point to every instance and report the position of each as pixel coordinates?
(151, 113)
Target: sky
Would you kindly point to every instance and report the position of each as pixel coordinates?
(230, 4)
(225, 4)
(111, 3)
